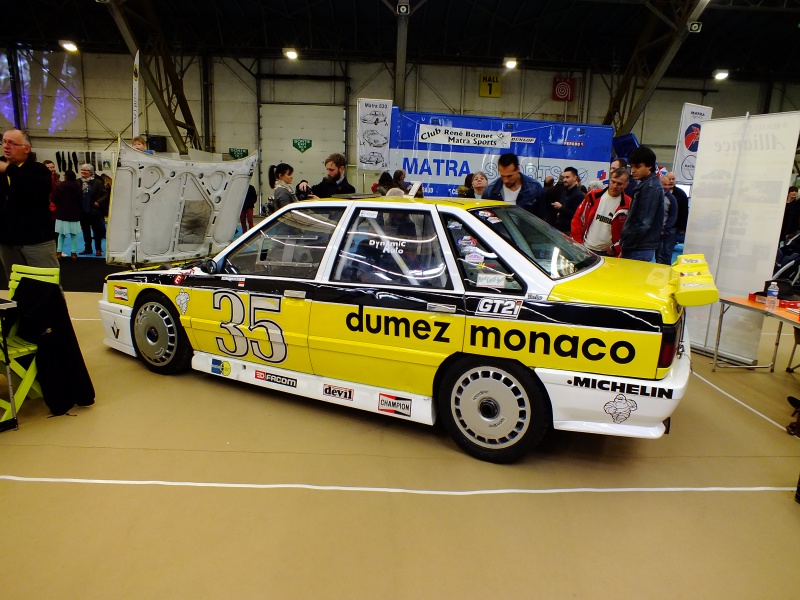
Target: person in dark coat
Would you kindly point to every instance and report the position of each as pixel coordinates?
(246, 216)
(26, 229)
(94, 208)
(67, 198)
(514, 187)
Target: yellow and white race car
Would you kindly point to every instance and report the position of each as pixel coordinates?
(475, 311)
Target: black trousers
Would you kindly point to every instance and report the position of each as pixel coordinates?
(93, 223)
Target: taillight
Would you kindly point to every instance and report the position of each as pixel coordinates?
(670, 341)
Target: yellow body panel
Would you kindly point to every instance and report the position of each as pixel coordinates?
(624, 283)
(569, 348)
(395, 349)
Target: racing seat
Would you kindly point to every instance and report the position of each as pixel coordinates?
(19, 348)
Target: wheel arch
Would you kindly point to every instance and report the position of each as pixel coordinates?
(458, 357)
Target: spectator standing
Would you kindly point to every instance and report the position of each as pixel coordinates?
(515, 187)
(56, 179)
(683, 208)
(668, 233)
(335, 181)
(570, 198)
(621, 163)
(641, 234)
(386, 183)
(139, 144)
(479, 184)
(462, 191)
(67, 198)
(26, 229)
(94, 208)
(246, 216)
(552, 192)
(399, 179)
(790, 215)
(599, 219)
(280, 178)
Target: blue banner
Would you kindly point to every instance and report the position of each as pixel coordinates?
(441, 149)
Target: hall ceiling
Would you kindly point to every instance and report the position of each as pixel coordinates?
(754, 39)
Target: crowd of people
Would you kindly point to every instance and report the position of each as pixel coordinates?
(636, 215)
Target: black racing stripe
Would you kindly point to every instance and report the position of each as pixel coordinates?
(582, 315)
(397, 299)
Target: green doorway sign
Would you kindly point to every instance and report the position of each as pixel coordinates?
(301, 145)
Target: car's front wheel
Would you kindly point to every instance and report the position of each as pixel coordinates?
(495, 411)
(159, 337)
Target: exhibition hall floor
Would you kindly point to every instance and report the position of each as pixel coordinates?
(196, 487)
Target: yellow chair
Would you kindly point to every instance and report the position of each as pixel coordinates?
(19, 348)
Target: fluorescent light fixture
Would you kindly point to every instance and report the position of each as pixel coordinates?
(290, 53)
(720, 74)
(68, 45)
(510, 62)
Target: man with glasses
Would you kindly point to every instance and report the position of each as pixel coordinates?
(26, 234)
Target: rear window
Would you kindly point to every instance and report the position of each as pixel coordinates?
(546, 247)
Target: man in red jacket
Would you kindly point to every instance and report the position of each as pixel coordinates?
(598, 220)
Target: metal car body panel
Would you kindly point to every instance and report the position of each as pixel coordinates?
(166, 210)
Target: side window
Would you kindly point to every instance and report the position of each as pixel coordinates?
(392, 247)
(480, 268)
(291, 246)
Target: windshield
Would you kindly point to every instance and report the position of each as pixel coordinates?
(546, 247)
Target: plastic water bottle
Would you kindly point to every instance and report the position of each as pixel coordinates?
(772, 296)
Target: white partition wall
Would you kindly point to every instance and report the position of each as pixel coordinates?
(738, 199)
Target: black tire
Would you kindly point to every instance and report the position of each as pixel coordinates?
(159, 337)
(494, 410)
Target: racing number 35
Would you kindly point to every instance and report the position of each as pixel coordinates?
(259, 305)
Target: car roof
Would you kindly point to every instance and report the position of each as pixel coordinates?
(464, 203)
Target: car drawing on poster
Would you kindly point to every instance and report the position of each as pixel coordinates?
(374, 117)
(372, 138)
(472, 312)
(371, 158)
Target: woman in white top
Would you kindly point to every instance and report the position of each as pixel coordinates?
(280, 178)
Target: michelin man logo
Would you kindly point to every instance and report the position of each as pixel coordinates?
(182, 300)
(620, 408)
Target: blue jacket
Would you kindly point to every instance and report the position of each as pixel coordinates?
(531, 195)
(642, 230)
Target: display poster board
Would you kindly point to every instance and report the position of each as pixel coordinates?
(441, 149)
(374, 125)
(738, 199)
(692, 117)
(103, 161)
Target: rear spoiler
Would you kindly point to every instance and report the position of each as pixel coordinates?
(691, 281)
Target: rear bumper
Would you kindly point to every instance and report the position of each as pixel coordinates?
(615, 405)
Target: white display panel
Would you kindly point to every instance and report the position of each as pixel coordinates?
(738, 200)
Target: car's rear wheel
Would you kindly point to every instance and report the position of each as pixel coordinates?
(159, 337)
(495, 411)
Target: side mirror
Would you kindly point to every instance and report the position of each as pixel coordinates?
(209, 267)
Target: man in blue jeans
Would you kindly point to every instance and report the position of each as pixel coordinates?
(641, 233)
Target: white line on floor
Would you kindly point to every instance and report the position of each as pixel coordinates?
(735, 399)
(338, 488)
